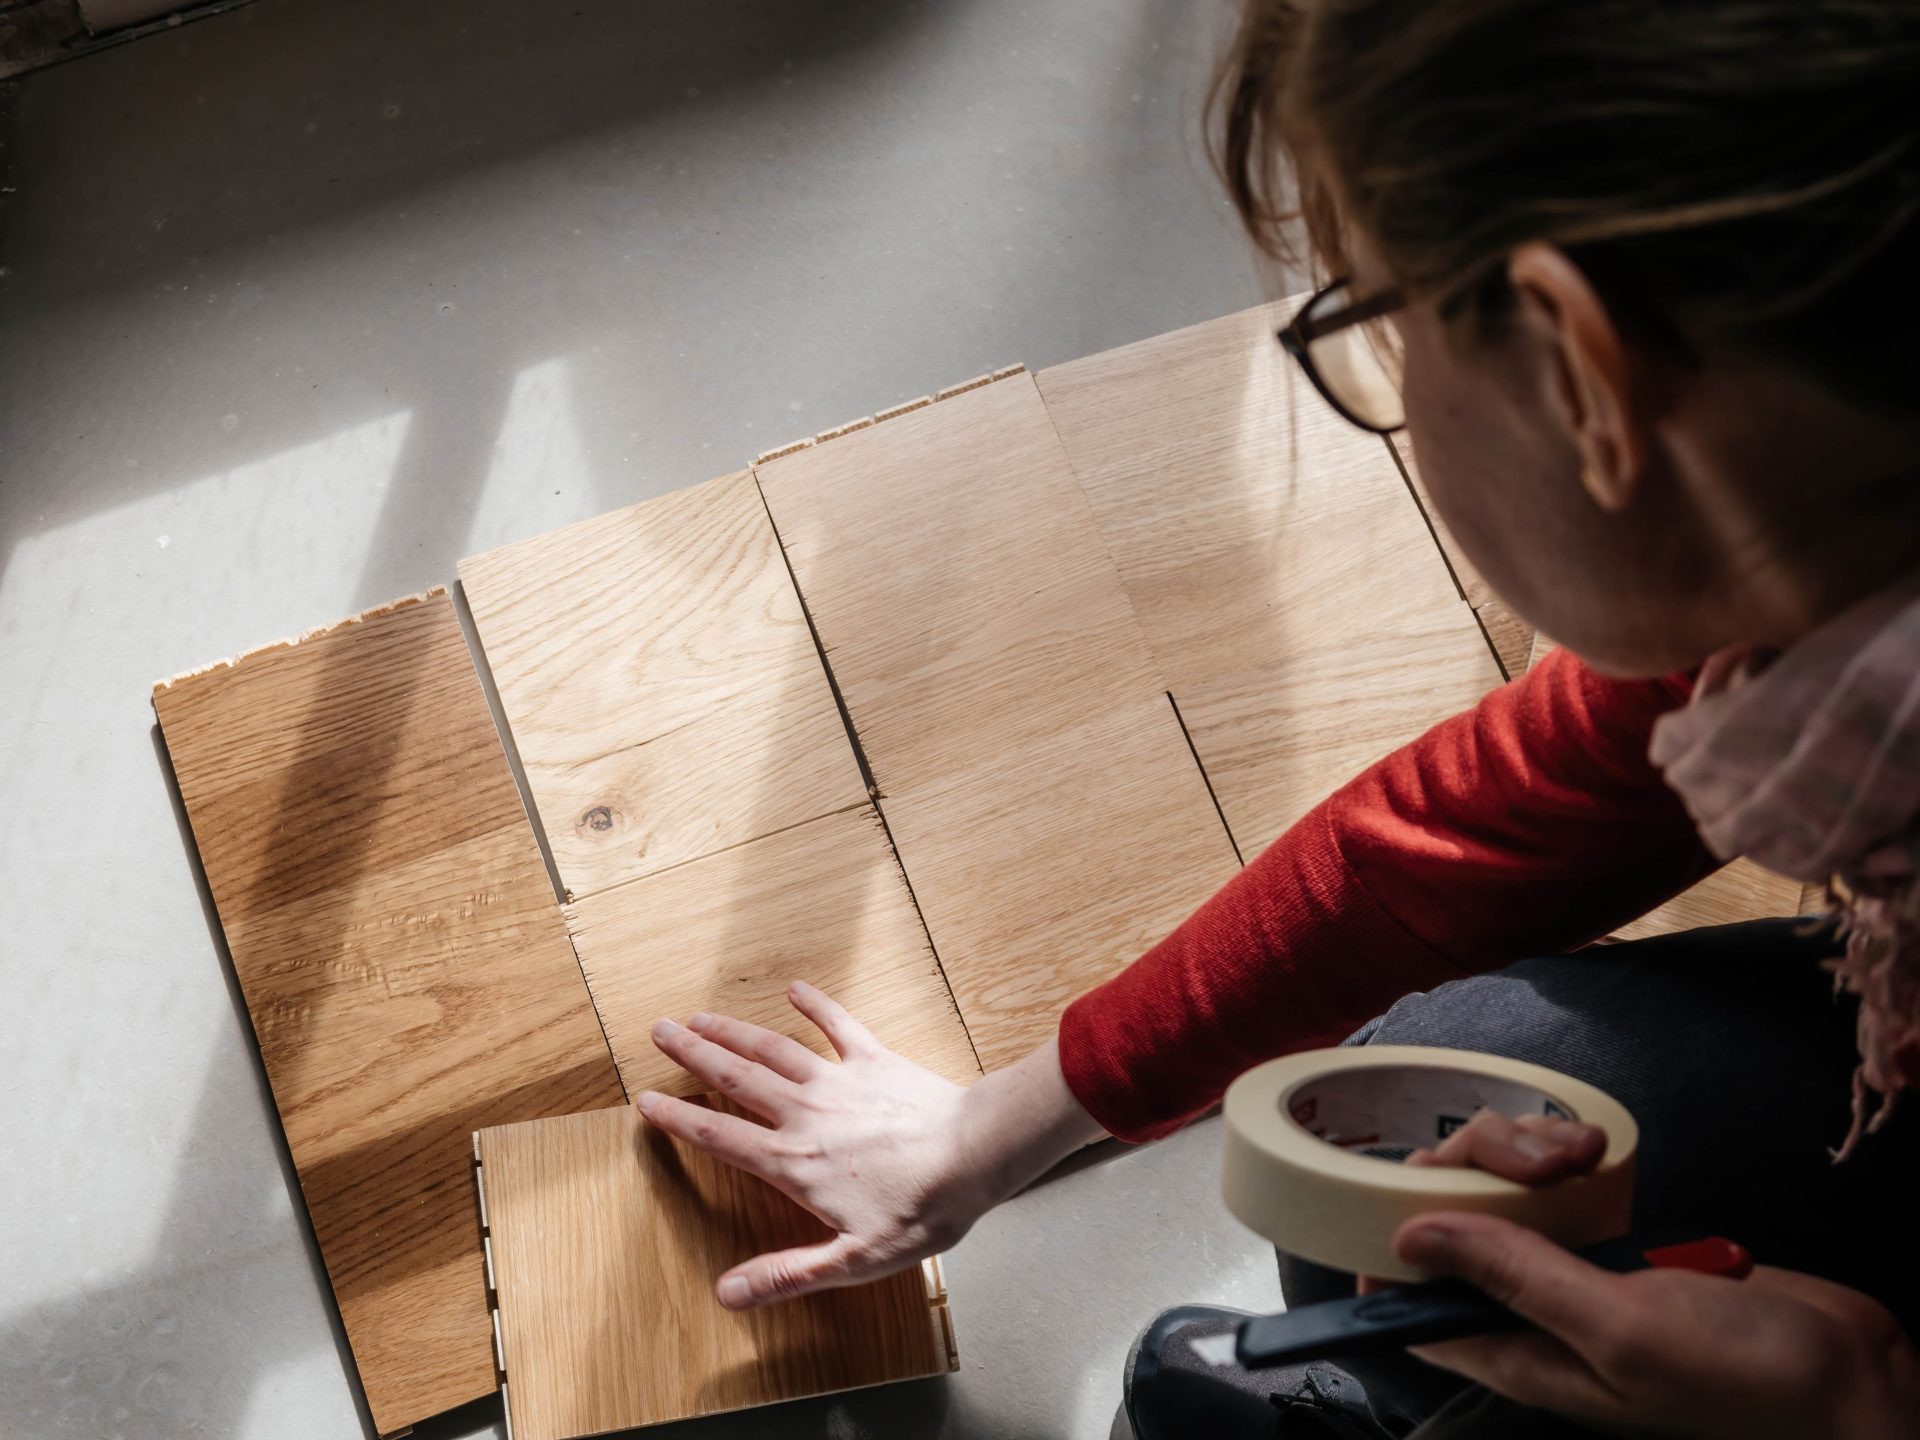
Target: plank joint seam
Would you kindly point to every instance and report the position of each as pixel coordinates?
(866, 769)
(880, 417)
(234, 661)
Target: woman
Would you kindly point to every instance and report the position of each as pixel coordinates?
(1643, 276)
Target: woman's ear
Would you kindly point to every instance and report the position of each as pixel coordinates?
(1589, 372)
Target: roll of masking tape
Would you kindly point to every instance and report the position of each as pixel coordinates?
(1314, 1142)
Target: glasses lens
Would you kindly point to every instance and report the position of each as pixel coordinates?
(1362, 364)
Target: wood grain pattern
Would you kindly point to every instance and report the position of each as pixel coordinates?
(1289, 586)
(824, 902)
(404, 963)
(1509, 635)
(663, 690)
(1278, 740)
(1741, 891)
(1042, 796)
(605, 1239)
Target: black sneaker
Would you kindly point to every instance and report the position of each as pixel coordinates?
(1173, 1394)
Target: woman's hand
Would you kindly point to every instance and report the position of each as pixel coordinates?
(1667, 1352)
(899, 1162)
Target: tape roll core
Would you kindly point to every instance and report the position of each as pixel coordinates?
(1313, 1140)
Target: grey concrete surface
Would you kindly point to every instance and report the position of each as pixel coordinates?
(303, 303)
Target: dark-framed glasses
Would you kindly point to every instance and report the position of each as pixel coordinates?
(1350, 348)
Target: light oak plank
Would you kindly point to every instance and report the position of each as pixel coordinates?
(823, 902)
(1741, 891)
(1509, 635)
(1476, 589)
(663, 690)
(1542, 647)
(1046, 807)
(1278, 739)
(607, 1238)
(404, 963)
(1291, 590)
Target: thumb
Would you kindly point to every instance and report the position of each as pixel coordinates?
(1529, 1274)
(787, 1274)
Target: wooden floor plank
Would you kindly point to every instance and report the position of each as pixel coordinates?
(823, 902)
(662, 688)
(403, 959)
(1740, 891)
(605, 1239)
(1510, 636)
(1278, 739)
(1292, 592)
(1047, 810)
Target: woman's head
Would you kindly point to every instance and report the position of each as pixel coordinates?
(1662, 328)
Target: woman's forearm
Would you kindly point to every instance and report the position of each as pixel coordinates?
(1020, 1121)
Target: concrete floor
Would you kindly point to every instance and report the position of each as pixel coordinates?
(299, 305)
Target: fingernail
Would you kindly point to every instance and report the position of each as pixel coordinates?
(699, 1020)
(1425, 1245)
(664, 1028)
(798, 987)
(735, 1292)
(1534, 1147)
(648, 1099)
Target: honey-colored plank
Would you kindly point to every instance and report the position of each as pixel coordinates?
(1510, 636)
(1279, 739)
(606, 1237)
(1476, 589)
(1541, 648)
(1045, 804)
(663, 690)
(823, 902)
(405, 966)
(1741, 891)
(1285, 577)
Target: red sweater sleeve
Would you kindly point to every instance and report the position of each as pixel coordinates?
(1531, 824)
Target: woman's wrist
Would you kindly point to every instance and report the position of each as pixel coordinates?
(1019, 1122)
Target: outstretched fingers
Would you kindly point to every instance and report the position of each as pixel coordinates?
(746, 1081)
(786, 1274)
(728, 1138)
(847, 1035)
(786, 1057)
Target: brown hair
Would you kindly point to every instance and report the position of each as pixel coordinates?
(1747, 169)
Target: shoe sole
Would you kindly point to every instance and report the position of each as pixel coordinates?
(1143, 1361)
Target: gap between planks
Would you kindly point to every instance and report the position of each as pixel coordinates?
(488, 687)
(1508, 669)
(853, 736)
(483, 668)
(1206, 779)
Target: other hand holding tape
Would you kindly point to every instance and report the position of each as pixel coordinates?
(1307, 1136)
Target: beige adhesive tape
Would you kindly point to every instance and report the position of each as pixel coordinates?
(1313, 1143)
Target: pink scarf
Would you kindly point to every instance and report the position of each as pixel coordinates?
(1807, 761)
